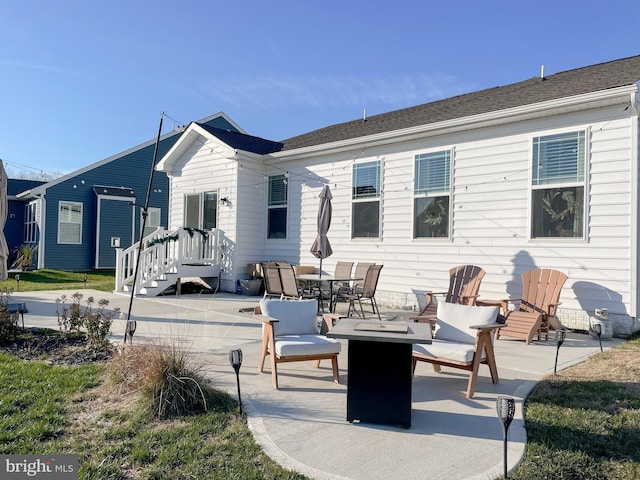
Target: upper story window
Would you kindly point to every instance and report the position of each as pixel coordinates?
(70, 223)
(558, 185)
(365, 200)
(30, 223)
(432, 192)
(277, 201)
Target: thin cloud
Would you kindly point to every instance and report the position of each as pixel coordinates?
(42, 68)
(331, 91)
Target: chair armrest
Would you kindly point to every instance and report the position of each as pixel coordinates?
(265, 319)
(552, 309)
(330, 319)
(432, 319)
(489, 327)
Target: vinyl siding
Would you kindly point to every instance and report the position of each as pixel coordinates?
(491, 214)
(490, 217)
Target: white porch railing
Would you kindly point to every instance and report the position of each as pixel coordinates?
(166, 252)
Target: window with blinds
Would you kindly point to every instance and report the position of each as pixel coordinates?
(558, 183)
(431, 189)
(365, 205)
(70, 223)
(277, 200)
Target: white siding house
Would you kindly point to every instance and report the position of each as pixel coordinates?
(538, 174)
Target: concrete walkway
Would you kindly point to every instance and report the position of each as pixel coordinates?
(302, 426)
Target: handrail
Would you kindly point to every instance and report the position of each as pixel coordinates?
(165, 252)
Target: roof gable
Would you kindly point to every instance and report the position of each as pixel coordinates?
(603, 76)
(219, 119)
(233, 141)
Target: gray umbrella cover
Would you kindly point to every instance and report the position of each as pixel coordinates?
(321, 247)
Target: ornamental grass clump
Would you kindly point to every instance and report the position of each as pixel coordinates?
(171, 382)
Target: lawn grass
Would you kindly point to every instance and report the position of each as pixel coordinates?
(45, 279)
(584, 423)
(75, 410)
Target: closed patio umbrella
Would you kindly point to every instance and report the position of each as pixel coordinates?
(321, 247)
(4, 207)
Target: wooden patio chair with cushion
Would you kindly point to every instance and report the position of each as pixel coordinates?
(464, 283)
(537, 306)
(368, 292)
(463, 339)
(291, 333)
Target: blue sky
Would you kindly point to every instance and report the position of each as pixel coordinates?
(82, 80)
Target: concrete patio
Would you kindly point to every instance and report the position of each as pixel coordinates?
(302, 426)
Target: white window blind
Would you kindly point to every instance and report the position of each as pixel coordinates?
(559, 158)
(433, 172)
(277, 190)
(366, 180)
(70, 223)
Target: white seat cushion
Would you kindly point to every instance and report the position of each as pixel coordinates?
(454, 321)
(458, 352)
(295, 317)
(296, 345)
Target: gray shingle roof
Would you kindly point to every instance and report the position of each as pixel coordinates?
(616, 73)
(244, 142)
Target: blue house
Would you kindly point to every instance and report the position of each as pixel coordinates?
(14, 228)
(78, 220)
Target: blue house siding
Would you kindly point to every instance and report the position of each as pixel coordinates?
(116, 221)
(14, 226)
(130, 169)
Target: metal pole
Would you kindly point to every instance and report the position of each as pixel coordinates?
(131, 325)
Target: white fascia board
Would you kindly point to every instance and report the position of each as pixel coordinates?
(192, 133)
(524, 112)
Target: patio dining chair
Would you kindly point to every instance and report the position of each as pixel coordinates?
(367, 292)
(271, 277)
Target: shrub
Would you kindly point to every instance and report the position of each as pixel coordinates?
(25, 254)
(168, 378)
(97, 323)
(8, 321)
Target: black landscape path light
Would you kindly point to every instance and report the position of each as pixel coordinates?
(235, 359)
(598, 328)
(506, 408)
(84, 279)
(560, 336)
(17, 277)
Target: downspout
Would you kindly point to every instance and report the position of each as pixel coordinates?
(635, 208)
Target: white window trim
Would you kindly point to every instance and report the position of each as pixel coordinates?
(530, 189)
(368, 199)
(449, 236)
(200, 196)
(31, 222)
(285, 205)
(64, 202)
